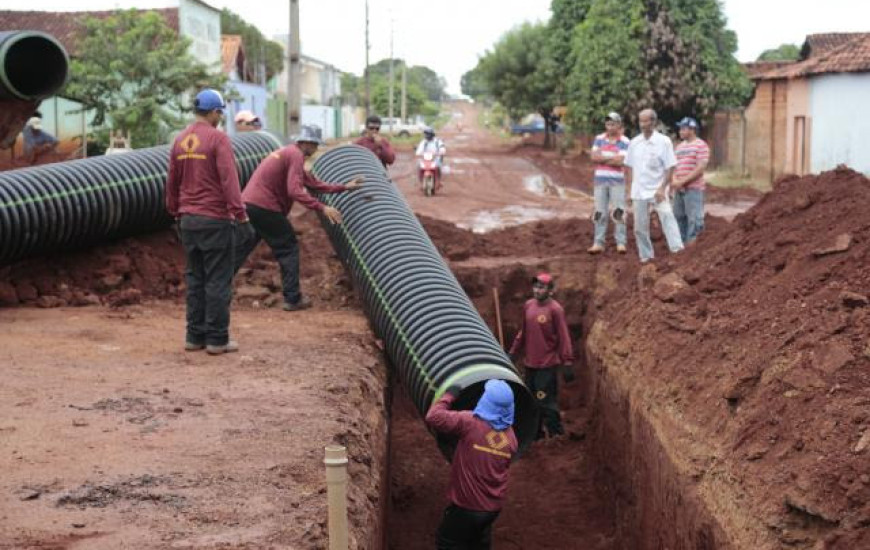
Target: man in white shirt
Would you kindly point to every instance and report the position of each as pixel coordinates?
(649, 166)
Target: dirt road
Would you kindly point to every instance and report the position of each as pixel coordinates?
(112, 437)
(485, 186)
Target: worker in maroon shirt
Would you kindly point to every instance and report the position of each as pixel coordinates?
(278, 182)
(373, 141)
(485, 446)
(547, 342)
(203, 195)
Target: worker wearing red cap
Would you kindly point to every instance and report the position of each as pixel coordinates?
(546, 340)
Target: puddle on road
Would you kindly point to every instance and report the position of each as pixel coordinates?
(461, 160)
(541, 184)
(490, 220)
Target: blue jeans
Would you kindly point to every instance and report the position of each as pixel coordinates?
(641, 227)
(689, 211)
(604, 196)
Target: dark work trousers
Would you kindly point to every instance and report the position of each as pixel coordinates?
(274, 228)
(463, 529)
(208, 245)
(544, 385)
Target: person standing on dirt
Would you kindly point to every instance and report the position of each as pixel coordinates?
(545, 337)
(278, 182)
(479, 469)
(203, 195)
(376, 143)
(608, 151)
(650, 163)
(693, 154)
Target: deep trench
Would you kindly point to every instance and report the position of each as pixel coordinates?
(606, 485)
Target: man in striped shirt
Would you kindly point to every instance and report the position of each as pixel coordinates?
(608, 152)
(692, 157)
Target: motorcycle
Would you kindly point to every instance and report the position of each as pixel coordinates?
(429, 173)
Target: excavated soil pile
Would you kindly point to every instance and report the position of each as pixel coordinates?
(152, 267)
(752, 357)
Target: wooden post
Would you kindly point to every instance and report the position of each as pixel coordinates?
(498, 316)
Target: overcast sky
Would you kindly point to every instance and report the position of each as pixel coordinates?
(449, 35)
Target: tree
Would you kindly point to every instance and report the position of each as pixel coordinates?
(785, 52)
(473, 84)
(132, 69)
(556, 66)
(675, 56)
(421, 76)
(512, 73)
(258, 49)
(608, 64)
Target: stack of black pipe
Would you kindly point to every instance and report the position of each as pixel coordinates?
(75, 204)
(432, 333)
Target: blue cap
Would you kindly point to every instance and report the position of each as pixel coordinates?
(496, 405)
(688, 122)
(209, 100)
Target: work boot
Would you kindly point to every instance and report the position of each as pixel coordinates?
(303, 303)
(191, 346)
(229, 347)
(620, 248)
(595, 249)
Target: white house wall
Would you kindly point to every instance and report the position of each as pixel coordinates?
(839, 108)
(202, 25)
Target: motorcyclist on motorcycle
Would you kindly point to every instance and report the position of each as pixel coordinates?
(435, 146)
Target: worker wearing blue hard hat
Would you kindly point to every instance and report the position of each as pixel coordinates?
(204, 196)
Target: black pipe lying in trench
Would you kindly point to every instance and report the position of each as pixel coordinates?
(70, 205)
(33, 65)
(433, 335)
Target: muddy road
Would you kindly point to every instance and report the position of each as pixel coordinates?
(112, 437)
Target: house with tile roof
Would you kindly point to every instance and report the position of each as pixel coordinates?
(194, 19)
(804, 115)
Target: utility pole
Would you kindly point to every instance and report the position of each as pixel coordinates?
(392, 83)
(368, 83)
(404, 91)
(294, 86)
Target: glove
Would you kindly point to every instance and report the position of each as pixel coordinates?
(454, 390)
(568, 373)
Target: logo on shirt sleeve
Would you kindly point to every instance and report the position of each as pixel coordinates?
(496, 441)
(189, 145)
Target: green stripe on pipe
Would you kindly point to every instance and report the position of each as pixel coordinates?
(462, 373)
(415, 358)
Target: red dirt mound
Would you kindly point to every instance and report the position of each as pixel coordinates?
(152, 267)
(757, 340)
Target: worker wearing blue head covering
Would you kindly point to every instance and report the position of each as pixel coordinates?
(479, 471)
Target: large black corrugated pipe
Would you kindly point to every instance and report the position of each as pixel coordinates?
(433, 335)
(33, 65)
(84, 202)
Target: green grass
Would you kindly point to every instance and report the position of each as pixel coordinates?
(732, 180)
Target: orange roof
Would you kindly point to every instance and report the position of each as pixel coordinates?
(851, 56)
(231, 48)
(820, 43)
(67, 27)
